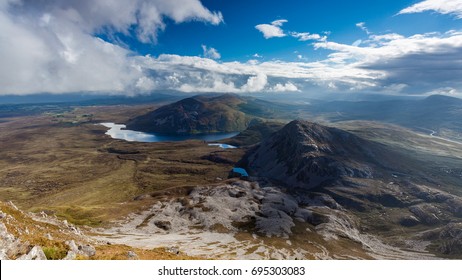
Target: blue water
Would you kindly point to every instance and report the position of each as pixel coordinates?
(118, 131)
(241, 171)
(223, 146)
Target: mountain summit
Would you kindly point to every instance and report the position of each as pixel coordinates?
(197, 114)
(305, 154)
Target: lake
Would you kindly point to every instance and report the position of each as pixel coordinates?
(118, 131)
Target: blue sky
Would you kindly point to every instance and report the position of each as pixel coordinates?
(238, 39)
(242, 46)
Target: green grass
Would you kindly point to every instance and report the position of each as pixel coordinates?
(54, 253)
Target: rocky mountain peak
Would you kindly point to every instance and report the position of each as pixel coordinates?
(306, 154)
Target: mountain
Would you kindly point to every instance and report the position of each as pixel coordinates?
(206, 114)
(363, 186)
(198, 114)
(439, 113)
(257, 131)
(306, 154)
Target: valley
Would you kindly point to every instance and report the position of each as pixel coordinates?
(336, 189)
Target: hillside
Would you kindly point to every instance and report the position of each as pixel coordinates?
(439, 113)
(41, 236)
(208, 114)
(198, 114)
(389, 191)
(305, 154)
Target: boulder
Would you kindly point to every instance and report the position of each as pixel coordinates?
(173, 250)
(87, 250)
(132, 255)
(71, 255)
(36, 253)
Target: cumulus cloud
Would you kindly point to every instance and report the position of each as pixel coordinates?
(272, 30)
(255, 83)
(210, 52)
(453, 7)
(413, 63)
(51, 46)
(287, 87)
(386, 63)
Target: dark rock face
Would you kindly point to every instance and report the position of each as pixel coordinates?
(409, 221)
(305, 154)
(194, 115)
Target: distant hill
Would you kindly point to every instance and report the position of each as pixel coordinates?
(207, 114)
(437, 112)
(198, 114)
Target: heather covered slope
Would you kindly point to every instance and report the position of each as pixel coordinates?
(198, 114)
(209, 114)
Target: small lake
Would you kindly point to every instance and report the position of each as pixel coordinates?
(118, 131)
(223, 146)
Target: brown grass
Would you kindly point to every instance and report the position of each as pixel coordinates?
(69, 167)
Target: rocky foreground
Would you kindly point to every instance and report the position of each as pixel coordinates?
(38, 236)
(245, 220)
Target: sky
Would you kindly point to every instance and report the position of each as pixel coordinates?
(130, 47)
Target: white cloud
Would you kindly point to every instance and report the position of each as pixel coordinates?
(210, 52)
(255, 83)
(305, 36)
(49, 46)
(387, 63)
(257, 55)
(357, 43)
(272, 30)
(446, 91)
(362, 26)
(145, 84)
(284, 87)
(453, 7)
(413, 63)
(279, 22)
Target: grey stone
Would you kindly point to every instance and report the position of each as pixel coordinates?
(71, 255)
(87, 250)
(36, 253)
(72, 246)
(3, 255)
(173, 250)
(132, 255)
